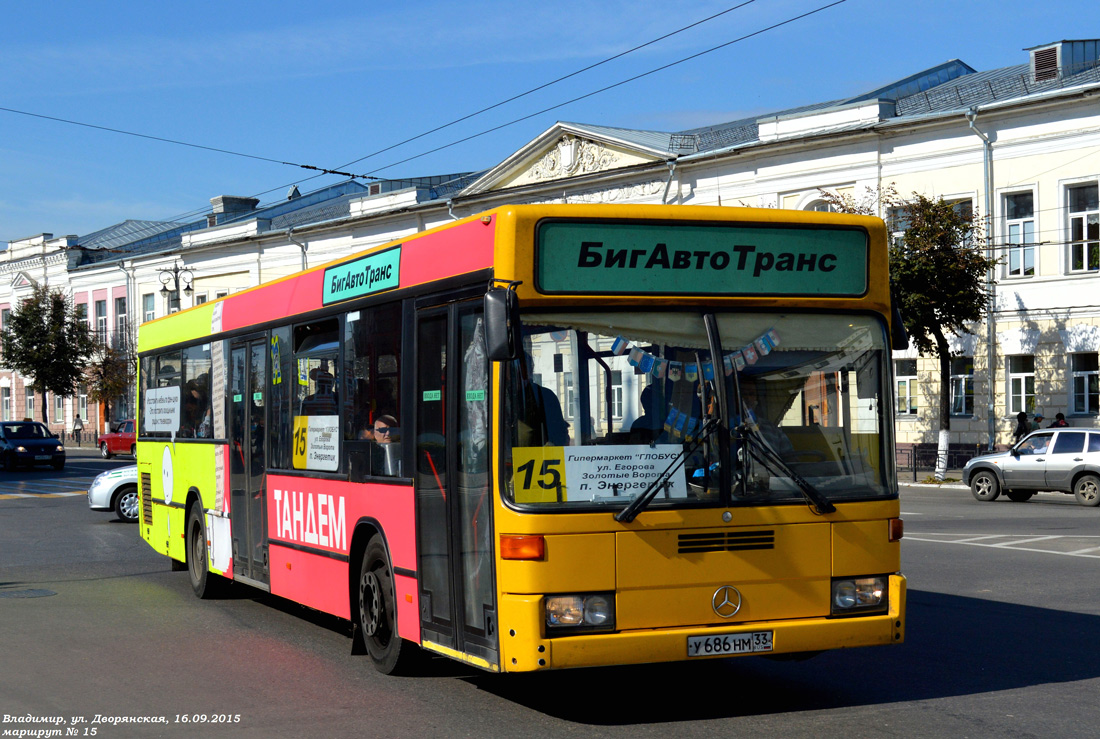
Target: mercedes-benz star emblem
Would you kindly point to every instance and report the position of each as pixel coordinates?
(726, 601)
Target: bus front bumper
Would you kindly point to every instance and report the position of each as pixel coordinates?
(521, 616)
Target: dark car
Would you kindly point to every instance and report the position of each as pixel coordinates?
(119, 441)
(1065, 460)
(29, 443)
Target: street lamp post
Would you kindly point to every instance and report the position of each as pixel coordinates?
(175, 277)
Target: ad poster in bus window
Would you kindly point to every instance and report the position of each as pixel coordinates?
(161, 413)
(554, 474)
(317, 443)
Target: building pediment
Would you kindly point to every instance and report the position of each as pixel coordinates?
(568, 150)
(22, 280)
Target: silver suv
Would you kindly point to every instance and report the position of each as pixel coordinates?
(1066, 460)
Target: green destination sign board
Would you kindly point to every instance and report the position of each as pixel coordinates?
(691, 259)
(362, 276)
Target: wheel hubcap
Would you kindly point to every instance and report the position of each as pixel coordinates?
(1089, 491)
(129, 505)
(370, 603)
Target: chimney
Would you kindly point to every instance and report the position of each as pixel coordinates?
(228, 207)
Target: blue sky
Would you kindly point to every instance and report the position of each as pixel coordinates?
(328, 83)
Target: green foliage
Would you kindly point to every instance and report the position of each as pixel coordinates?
(111, 376)
(938, 275)
(46, 340)
(937, 270)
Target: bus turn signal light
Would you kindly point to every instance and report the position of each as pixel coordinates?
(513, 546)
(897, 529)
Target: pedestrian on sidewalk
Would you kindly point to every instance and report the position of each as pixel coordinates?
(78, 427)
(1022, 427)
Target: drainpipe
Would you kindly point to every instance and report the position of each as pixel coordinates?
(451, 210)
(991, 284)
(131, 343)
(668, 185)
(291, 239)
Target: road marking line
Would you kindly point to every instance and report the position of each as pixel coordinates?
(1025, 541)
(980, 538)
(972, 543)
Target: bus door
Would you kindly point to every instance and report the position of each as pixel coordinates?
(247, 424)
(454, 504)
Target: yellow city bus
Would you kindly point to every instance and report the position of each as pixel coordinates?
(547, 436)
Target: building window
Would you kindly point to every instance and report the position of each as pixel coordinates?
(1020, 232)
(570, 398)
(1086, 383)
(962, 386)
(121, 326)
(1021, 384)
(148, 307)
(821, 206)
(82, 401)
(5, 403)
(1084, 229)
(905, 374)
(30, 403)
(200, 298)
(617, 394)
(101, 320)
(58, 408)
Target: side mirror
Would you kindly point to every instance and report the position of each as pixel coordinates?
(502, 339)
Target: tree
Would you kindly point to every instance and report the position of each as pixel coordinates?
(47, 340)
(939, 278)
(110, 377)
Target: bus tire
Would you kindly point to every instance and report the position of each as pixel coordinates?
(377, 612)
(204, 582)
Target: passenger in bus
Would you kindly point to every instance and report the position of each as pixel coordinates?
(322, 402)
(648, 427)
(385, 449)
(541, 421)
(756, 412)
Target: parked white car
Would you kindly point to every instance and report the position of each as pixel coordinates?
(116, 490)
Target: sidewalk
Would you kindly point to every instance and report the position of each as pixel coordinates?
(953, 478)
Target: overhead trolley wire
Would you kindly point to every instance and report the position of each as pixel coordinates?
(370, 175)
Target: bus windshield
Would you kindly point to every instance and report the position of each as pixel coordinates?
(602, 404)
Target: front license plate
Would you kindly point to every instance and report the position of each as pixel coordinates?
(41, 457)
(709, 646)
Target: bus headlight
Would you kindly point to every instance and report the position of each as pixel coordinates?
(859, 595)
(583, 612)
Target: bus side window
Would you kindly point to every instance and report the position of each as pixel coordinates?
(372, 391)
(315, 405)
(281, 384)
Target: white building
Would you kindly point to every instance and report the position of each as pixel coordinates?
(1020, 144)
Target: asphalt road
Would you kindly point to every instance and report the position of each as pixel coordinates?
(1001, 622)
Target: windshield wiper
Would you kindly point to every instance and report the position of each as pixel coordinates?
(628, 514)
(760, 449)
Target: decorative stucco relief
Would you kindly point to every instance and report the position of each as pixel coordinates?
(572, 156)
(621, 194)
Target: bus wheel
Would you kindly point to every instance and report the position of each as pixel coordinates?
(205, 583)
(377, 612)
